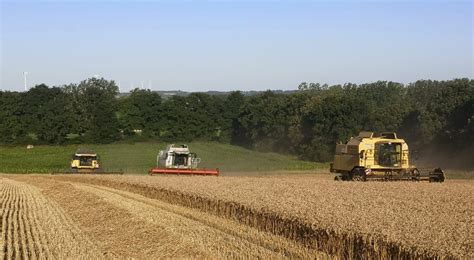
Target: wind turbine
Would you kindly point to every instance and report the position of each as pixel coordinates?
(24, 80)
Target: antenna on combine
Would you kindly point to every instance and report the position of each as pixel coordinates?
(24, 80)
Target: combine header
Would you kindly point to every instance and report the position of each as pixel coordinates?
(86, 162)
(179, 160)
(384, 157)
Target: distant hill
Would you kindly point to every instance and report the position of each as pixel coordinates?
(169, 93)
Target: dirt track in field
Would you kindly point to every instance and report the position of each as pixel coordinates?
(46, 217)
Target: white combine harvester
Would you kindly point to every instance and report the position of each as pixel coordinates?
(179, 160)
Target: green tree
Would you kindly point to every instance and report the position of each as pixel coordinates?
(141, 110)
(48, 113)
(329, 119)
(94, 104)
(265, 121)
(232, 108)
(13, 123)
(174, 116)
(434, 106)
(386, 105)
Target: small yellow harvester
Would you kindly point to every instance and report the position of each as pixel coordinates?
(85, 161)
(378, 157)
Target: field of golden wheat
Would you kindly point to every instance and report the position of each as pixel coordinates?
(45, 217)
(304, 216)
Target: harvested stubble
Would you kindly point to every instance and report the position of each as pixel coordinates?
(33, 227)
(349, 220)
(127, 225)
(215, 236)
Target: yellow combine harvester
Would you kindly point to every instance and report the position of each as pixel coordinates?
(86, 162)
(382, 157)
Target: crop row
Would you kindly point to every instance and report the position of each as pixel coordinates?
(349, 220)
(33, 227)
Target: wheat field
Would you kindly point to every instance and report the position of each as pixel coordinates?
(306, 216)
(34, 227)
(92, 221)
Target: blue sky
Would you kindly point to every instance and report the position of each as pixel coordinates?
(234, 45)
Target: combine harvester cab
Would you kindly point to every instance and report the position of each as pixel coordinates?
(384, 157)
(85, 161)
(179, 160)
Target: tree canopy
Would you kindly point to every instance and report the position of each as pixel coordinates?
(307, 122)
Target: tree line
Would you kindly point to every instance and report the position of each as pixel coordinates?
(307, 123)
